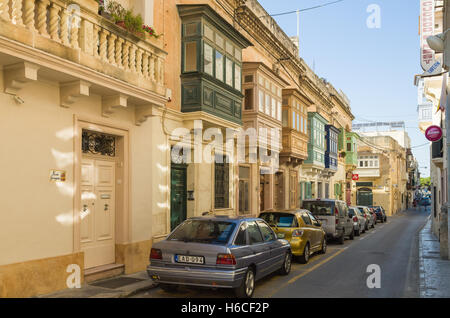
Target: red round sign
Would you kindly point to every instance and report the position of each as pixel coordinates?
(433, 133)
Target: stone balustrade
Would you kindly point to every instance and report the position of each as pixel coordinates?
(75, 33)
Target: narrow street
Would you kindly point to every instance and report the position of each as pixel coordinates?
(341, 272)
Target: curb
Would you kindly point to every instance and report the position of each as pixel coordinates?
(422, 285)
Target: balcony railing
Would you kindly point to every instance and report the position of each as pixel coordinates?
(84, 37)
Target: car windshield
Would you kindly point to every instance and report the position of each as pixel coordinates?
(319, 208)
(280, 219)
(203, 231)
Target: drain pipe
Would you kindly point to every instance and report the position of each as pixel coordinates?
(446, 207)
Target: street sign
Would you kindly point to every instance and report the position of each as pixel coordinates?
(430, 64)
(433, 133)
(355, 177)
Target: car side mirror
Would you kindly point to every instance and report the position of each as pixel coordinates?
(318, 223)
(280, 235)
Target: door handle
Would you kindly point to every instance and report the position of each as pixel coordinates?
(106, 207)
(84, 207)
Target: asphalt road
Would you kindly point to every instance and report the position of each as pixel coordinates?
(342, 271)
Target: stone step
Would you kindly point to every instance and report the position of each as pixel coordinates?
(103, 272)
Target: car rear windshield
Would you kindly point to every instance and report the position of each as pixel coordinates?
(203, 231)
(319, 208)
(280, 219)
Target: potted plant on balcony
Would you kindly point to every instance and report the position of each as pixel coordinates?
(133, 23)
(117, 13)
(150, 31)
(102, 10)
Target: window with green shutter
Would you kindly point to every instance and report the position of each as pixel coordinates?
(308, 190)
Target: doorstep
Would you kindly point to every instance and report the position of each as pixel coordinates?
(103, 272)
(117, 287)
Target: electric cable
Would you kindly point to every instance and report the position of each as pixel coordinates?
(301, 10)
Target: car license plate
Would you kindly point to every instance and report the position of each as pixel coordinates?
(189, 259)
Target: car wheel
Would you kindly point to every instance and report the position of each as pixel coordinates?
(352, 235)
(342, 239)
(357, 232)
(323, 250)
(168, 287)
(286, 267)
(304, 258)
(365, 228)
(248, 285)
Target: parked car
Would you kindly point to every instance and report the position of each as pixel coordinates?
(374, 217)
(301, 229)
(380, 212)
(334, 217)
(219, 252)
(371, 217)
(426, 201)
(359, 221)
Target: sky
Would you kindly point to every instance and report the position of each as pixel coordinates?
(374, 67)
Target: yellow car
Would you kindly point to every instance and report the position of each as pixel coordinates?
(301, 229)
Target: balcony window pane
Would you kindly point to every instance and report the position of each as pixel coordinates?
(298, 122)
(237, 54)
(274, 108)
(268, 104)
(208, 59)
(248, 99)
(219, 41)
(285, 118)
(293, 120)
(219, 66)
(190, 56)
(209, 33)
(190, 29)
(229, 72)
(279, 111)
(261, 101)
(237, 77)
(229, 48)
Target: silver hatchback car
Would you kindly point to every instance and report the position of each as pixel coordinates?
(219, 252)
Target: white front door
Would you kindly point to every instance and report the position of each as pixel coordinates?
(97, 212)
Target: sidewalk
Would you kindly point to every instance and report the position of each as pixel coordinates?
(434, 272)
(116, 287)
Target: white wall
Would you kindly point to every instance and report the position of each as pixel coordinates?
(37, 136)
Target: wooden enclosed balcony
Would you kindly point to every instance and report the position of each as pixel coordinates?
(295, 146)
(51, 32)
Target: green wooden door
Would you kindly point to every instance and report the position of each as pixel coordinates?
(364, 197)
(178, 198)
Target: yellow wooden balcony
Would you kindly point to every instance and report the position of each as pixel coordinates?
(295, 146)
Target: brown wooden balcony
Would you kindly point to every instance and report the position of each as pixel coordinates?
(295, 146)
